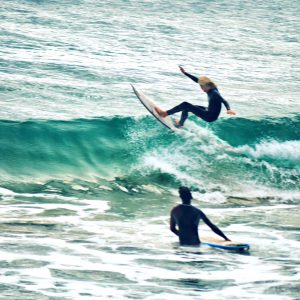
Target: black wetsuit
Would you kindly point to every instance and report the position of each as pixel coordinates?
(208, 114)
(187, 218)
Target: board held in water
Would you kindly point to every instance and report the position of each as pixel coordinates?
(222, 244)
(150, 106)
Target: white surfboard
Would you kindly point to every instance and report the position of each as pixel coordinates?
(150, 105)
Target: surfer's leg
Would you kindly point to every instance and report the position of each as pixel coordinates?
(195, 109)
(160, 112)
(181, 107)
(186, 107)
(184, 116)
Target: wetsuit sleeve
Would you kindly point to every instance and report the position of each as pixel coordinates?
(194, 78)
(225, 103)
(213, 227)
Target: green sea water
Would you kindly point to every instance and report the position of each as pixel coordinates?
(88, 177)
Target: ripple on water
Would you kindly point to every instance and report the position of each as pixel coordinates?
(58, 212)
(186, 266)
(27, 248)
(27, 227)
(23, 264)
(289, 289)
(13, 292)
(103, 277)
(196, 284)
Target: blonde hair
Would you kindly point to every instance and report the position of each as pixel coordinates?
(205, 81)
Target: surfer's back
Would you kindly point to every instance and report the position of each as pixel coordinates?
(187, 218)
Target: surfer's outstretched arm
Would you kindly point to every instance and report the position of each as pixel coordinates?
(214, 228)
(194, 78)
(226, 104)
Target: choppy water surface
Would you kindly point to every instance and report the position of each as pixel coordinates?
(88, 177)
(60, 247)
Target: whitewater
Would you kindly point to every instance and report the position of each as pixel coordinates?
(88, 177)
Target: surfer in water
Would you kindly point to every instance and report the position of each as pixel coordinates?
(208, 114)
(187, 217)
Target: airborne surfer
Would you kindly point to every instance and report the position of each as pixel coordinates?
(208, 114)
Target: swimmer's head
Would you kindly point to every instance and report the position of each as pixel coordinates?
(185, 194)
(206, 84)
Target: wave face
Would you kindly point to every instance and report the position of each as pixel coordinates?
(88, 177)
(228, 153)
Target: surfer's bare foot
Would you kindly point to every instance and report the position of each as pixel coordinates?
(177, 123)
(161, 112)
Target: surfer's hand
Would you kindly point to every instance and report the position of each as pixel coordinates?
(181, 69)
(231, 112)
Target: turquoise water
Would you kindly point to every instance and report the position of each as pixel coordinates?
(88, 177)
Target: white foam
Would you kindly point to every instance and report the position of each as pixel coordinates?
(289, 151)
(170, 167)
(122, 188)
(6, 192)
(106, 188)
(78, 187)
(259, 191)
(151, 188)
(212, 197)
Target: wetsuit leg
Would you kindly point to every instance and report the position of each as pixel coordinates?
(186, 107)
(184, 116)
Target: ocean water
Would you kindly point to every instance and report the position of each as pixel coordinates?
(88, 177)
